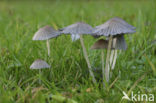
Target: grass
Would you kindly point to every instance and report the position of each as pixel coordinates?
(68, 79)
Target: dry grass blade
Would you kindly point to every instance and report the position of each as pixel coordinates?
(154, 89)
(36, 90)
(152, 65)
(136, 82)
(113, 83)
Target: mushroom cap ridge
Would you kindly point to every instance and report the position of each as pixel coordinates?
(78, 28)
(114, 26)
(46, 33)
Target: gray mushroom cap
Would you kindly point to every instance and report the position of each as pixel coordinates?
(78, 28)
(103, 44)
(114, 26)
(39, 64)
(46, 33)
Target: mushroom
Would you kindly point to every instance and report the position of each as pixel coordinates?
(39, 64)
(46, 33)
(77, 30)
(113, 28)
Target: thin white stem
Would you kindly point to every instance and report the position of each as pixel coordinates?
(114, 60)
(111, 58)
(107, 69)
(39, 76)
(87, 60)
(48, 47)
(113, 54)
(111, 62)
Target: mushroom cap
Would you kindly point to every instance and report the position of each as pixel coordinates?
(39, 64)
(100, 44)
(46, 33)
(78, 28)
(118, 43)
(114, 26)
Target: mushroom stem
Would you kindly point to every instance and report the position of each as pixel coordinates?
(107, 69)
(110, 62)
(87, 60)
(39, 76)
(113, 54)
(111, 58)
(48, 47)
(114, 59)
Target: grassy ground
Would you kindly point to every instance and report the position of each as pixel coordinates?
(68, 77)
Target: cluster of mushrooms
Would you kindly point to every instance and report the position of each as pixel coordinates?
(114, 30)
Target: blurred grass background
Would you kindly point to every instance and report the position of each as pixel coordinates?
(68, 76)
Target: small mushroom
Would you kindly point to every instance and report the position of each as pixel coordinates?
(77, 30)
(46, 33)
(113, 28)
(38, 65)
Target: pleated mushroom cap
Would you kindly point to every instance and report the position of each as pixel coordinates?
(114, 26)
(120, 43)
(46, 33)
(78, 28)
(39, 64)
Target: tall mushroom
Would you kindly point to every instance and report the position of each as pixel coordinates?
(46, 33)
(38, 65)
(78, 29)
(112, 28)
